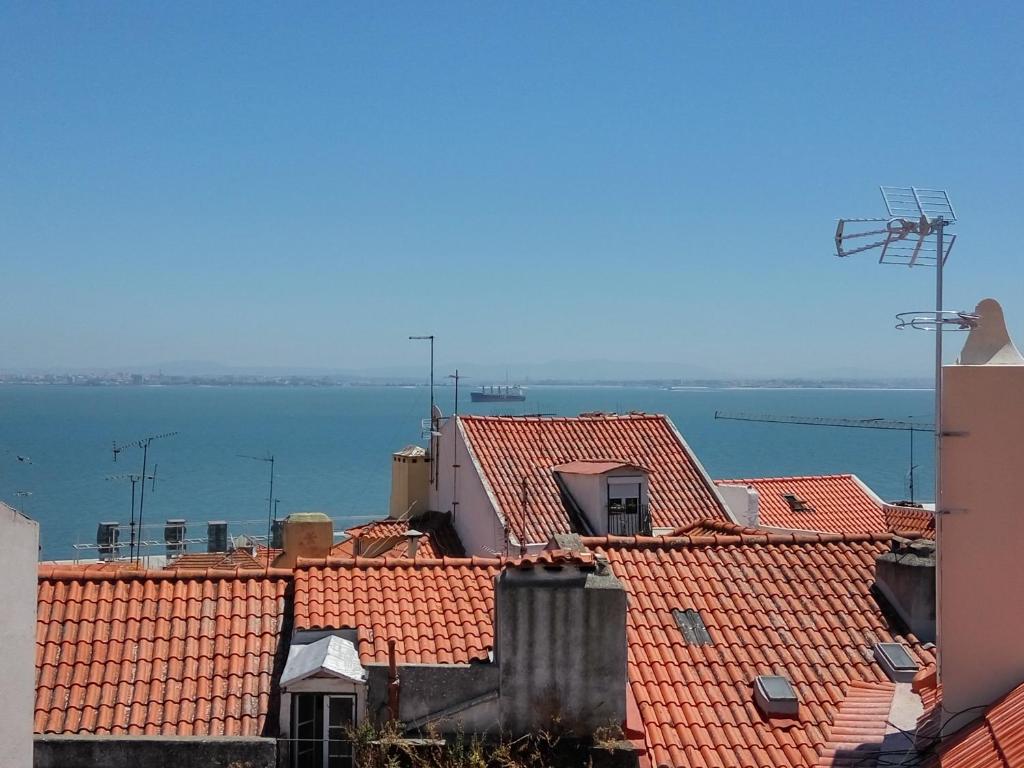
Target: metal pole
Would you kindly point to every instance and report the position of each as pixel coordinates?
(131, 544)
(939, 225)
(270, 504)
(142, 496)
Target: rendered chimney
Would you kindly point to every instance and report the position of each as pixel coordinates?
(413, 538)
(906, 578)
(560, 646)
(305, 534)
(743, 503)
(980, 525)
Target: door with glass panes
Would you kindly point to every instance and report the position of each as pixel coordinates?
(320, 730)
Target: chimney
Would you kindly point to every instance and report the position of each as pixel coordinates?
(107, 540)
(906, 578)
(979, 524)
(560, 644)
(743, 504)
(217, 536)
(410, 483)
(174, 537)
(305, 534)
(276, 533)
(413, 538)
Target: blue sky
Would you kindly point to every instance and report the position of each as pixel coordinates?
(262, 184)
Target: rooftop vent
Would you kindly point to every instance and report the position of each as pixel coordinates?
(896, 662)
(692, 626)
(796, 504)
(774, 695)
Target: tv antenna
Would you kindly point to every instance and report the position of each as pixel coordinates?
(910, 426)
(433, 415)
(144, 444)
(23, 495)
(135, 479)
(914, 235)
(268, 457)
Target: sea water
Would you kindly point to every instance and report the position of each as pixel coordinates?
(333, 445)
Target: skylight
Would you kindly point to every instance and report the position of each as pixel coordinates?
(775, 695)
(796, 504)
(692, 626)
(896, 662)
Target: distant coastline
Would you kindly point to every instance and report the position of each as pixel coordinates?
(236, 380)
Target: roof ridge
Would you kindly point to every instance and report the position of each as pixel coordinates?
(738, 539)
(72, 573)
(358, 561)
(592, 415)
(784, 478)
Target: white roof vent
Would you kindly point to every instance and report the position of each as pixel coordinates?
(775, 696)
(896, 662)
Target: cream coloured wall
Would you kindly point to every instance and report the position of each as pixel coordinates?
(980, 534)
(19, 552)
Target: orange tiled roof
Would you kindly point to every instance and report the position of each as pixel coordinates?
(799, 605)
(837, 503)
(996, 740)
(859, 727)
(507, 449)
(900, 519)
(387, 538)
(236, 558)
(437, 611)
(185, 652)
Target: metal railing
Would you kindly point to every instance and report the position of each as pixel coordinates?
(629, 523)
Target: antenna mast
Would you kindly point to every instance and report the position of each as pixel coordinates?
(144, 444)
(433, 419)
(271, 501)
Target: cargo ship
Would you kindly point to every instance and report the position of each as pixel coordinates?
(499, 394)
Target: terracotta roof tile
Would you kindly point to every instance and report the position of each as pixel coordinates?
(793, 604)
(840, 503)
(185, 652)
(387, 538)
(437, 611)
(994, 741)
(508, 449)
(859, 727)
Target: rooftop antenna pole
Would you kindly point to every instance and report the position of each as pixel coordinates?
(433, 424)
(271, 501)
(144, 444)
(914, 234)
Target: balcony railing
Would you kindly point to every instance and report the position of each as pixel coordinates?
(632, 522)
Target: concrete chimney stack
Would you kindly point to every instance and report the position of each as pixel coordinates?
(560, 644)
(305, 534)
(980, 526)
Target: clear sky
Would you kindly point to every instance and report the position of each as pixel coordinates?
(306, 185)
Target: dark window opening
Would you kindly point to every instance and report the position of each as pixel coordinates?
(692, 626)
(320, 730)
(796, 504)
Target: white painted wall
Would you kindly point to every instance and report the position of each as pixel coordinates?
(19, 553)
(743, 503)
(476, 517)
(980, 563)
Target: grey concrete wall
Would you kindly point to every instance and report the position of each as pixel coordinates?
(19, 553)
(561, 649)
(75, 751)
(427, 689)
(906, 576)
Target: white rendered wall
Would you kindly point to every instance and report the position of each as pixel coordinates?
(19, 553)
(475, 517)
(981, 539)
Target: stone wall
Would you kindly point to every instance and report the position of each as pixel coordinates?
(75, 751)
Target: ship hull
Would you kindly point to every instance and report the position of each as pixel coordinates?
(484, 397)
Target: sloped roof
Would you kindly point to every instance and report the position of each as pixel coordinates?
(859, 727)
(995, 740)
(129, 652)
(437, 611)
(387, 538)
(508, 449)
(789, 604)
(332, 655)
(835, 503)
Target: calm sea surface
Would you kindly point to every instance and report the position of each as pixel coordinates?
(333, 445)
